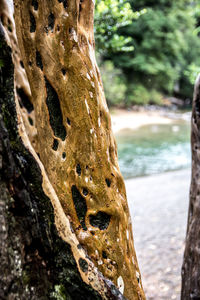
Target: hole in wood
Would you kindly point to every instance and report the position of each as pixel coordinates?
(55, 145)
(83, 265)
(80, 206)
(104, 255)
(85, 192)
(10, 28)
(30, 121)
(63, 71)
(3, 19)
(39, 60)
(21, 63)
(78, 169)
(100, 220)
(32, 23)
(55, 114)
(79, 246)
(108, 182)
(35, 4)
(68, 121)
(80, 6)
(24, 99)
(51, 21)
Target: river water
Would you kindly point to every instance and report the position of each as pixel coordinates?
(154, 149)
(158, 203)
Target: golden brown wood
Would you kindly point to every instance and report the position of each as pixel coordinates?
(75, 142)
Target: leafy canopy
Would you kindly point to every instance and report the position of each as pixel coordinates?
(154, 47)
(110, 16)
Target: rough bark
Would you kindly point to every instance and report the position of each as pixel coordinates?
(191, 262)
(35, 261)
(63, 121)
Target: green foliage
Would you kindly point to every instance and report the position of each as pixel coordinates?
(191, 73)
(114, 83)
(110, 16)
(162, 42)
(138, 94)
(155, 51)
(155, 97)
(119, 93)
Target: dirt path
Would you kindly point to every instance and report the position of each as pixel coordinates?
(158, 206)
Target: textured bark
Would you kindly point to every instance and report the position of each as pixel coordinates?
(35, 261)
(191, 263)
(63, 121)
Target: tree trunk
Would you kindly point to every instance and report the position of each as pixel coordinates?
(70, 162)
(191, 262)
(35, 262)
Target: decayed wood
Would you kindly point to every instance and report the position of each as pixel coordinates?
(35, 261)
(65, 120)
(191, 262)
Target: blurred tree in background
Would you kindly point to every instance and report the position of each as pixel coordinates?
(110, 16)
(153, 49)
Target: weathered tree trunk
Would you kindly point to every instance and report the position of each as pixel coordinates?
(35, 262)
(191, 263)
(69, 162)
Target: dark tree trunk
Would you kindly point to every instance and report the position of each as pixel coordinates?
(191, 263)
(35, 262)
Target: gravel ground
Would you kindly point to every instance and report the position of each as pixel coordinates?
(158, 206)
